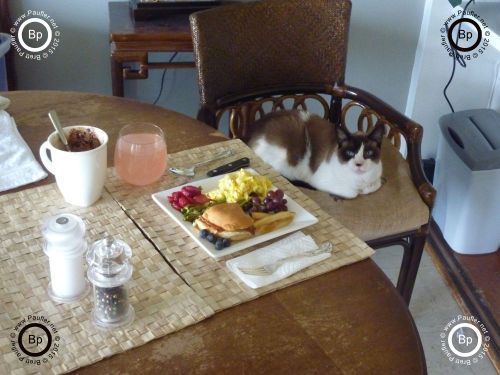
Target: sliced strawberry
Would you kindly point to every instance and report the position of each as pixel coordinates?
(183, 201)
(176, 206)
(176, 195)
(189, 199)
(190, 191)
(170, 199)
(201, 199)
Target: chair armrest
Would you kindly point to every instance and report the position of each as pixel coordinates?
(411, 131)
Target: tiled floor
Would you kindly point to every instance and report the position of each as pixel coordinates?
(432, 307)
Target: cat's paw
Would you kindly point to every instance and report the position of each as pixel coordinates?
(337, 198)
(346, 194)
(340, 194)
(374, 186)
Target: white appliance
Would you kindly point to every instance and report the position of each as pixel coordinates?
(467, 180)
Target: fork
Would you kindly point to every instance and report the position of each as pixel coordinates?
(269, 269)
(189, 171)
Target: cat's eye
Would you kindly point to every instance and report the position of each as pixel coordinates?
(368, 153)
(350, 153)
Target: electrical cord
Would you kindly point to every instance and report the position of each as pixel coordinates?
(456, 57)
(163, 78)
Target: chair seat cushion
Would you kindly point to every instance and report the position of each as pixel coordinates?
(395, 208)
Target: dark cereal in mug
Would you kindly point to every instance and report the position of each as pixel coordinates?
(82, 139)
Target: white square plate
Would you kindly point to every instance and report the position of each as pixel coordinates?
(302, 219)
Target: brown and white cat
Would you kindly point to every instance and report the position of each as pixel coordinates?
(305, 147)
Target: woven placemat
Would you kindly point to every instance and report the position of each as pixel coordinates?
(208, 277)
(163, 303)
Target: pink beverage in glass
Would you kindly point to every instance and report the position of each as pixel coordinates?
(140, 154)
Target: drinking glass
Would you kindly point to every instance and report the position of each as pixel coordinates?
(140, 154)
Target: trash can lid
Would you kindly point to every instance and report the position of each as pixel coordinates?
(475, 137)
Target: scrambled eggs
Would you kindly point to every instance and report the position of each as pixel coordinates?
(236, 187)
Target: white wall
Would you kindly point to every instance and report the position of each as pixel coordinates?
(81, 61)
(383, 38)
(382, 42)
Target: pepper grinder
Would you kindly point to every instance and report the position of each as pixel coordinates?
(109, 271)
(65, 245)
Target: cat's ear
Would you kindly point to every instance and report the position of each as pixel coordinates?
(378, 132)
(342, 134)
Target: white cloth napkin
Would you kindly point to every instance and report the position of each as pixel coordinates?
(292, 245)
(17, 163)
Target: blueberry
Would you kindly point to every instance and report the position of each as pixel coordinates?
(211, 238)
(203, 233)
(226, 242)
(219, 244)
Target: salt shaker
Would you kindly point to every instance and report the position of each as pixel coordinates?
(109, 271)
(65, 245)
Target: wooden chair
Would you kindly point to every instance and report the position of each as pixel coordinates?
(264, 56)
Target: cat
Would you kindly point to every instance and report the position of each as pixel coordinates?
(305, 147)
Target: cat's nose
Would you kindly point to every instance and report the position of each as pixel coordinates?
(359, 164)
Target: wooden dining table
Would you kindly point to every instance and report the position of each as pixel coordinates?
(348, 321)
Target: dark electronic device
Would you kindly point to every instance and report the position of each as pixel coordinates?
(144, 10)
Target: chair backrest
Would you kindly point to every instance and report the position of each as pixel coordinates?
(5, 23)
(269, 47)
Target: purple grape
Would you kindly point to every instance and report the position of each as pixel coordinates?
(284, 201)
(279, 194)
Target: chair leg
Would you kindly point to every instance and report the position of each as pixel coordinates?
(405, 264)
(410, 264)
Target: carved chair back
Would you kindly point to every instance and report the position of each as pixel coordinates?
(273, 55)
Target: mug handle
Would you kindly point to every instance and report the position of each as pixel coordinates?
(47, 163)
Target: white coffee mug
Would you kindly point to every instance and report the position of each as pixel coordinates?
(80, 176)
